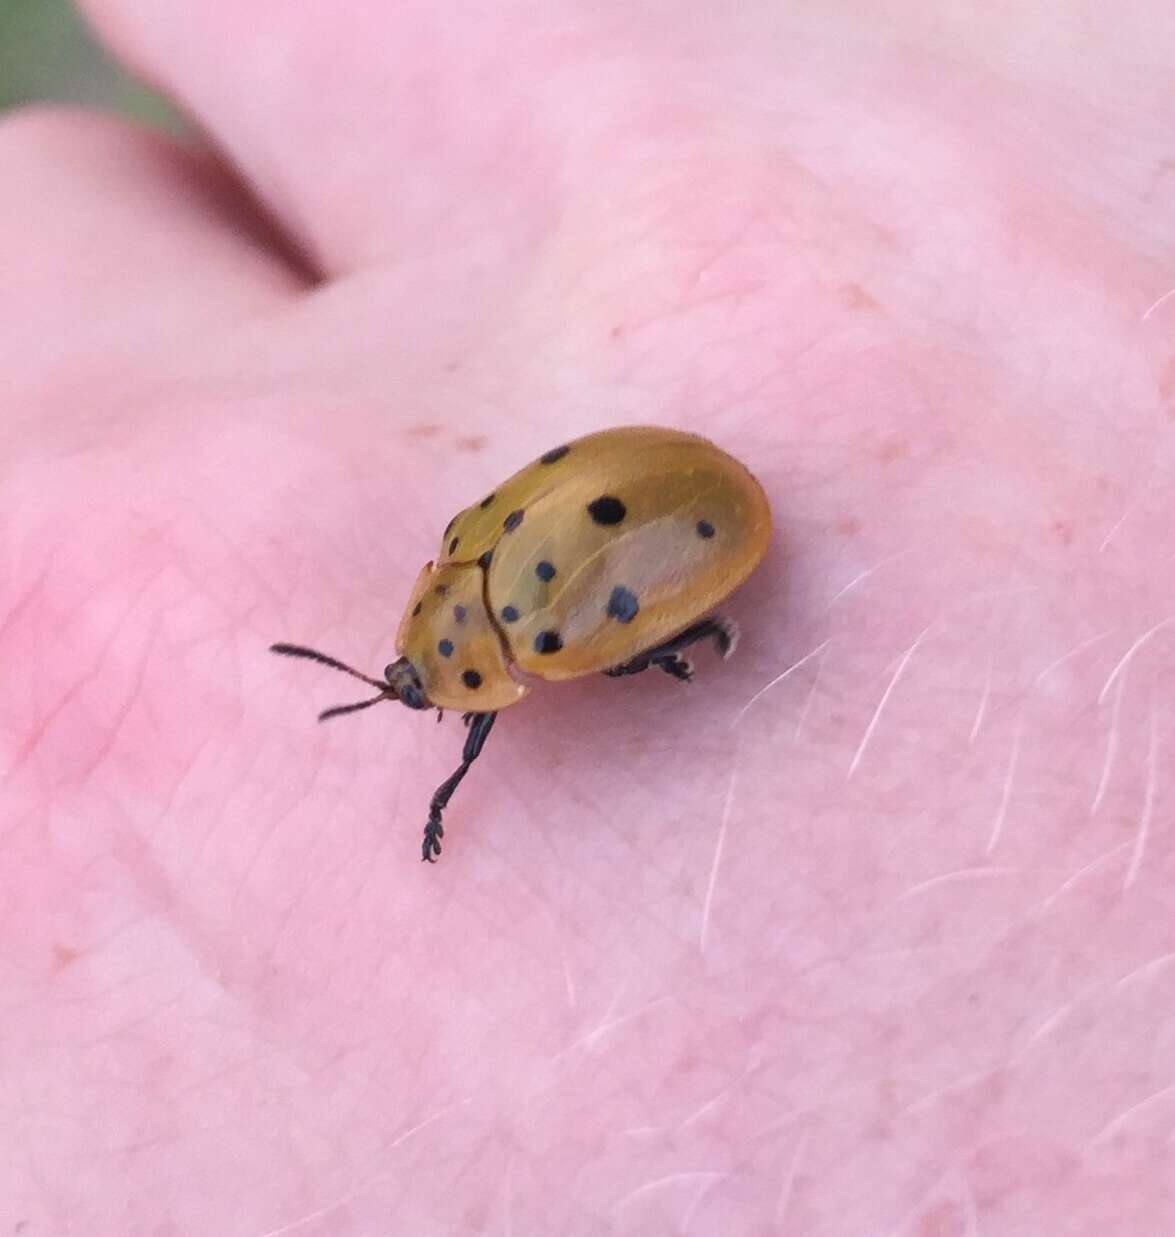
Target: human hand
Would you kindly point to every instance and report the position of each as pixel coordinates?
(866, 931)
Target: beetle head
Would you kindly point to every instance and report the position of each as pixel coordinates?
(400, 681)
(404, 683)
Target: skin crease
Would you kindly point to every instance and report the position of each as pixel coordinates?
(866, 931)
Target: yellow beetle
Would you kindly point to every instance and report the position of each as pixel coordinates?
(607, 554)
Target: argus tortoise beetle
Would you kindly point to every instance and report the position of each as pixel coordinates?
(604, 555)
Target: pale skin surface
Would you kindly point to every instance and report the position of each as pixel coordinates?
(884, 946)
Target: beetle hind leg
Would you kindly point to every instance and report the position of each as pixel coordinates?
(725, 636)
(681, 668)
(668, 656)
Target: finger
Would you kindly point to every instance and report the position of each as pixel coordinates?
(370, 129)
(116, 241)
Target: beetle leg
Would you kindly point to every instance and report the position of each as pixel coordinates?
(681, 668)
(668, 657)
(474, 742)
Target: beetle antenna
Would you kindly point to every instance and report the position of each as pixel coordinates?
(340, 709)
(298, 650)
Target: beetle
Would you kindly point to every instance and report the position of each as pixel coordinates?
(607, 554)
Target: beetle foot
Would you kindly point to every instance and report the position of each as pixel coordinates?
(727, 637)
(431, 847)
(681, 668)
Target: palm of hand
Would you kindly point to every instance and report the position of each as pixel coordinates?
(889, 949)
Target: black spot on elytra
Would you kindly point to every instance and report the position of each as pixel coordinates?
(485, 560)
(441, 590)
(607, 510)
(485, 502)
(545, 570)
(445, 648)
(548, 642)
(459, 613)
(471, 678)
(453, 545)
(554, 456)
(623, 605)
(509, 614)
(705, 529)
(512, 521)
(416, 609)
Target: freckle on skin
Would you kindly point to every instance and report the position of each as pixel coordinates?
(894, 448)
(853, 296)
(65, 954)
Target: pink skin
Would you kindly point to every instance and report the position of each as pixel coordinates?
(883, 944)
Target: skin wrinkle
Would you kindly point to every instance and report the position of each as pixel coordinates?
(243, 877)
(44, 724)
(33, 592)
(117, 720)
(769, 360)
(198, 859)
(783, 1203)
(232, 1069)
(966, 1200)
(284, 928)
(368, 1183)
(132, 983)
(508, 1199)
(543, 837)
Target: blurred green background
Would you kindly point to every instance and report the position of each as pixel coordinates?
(47, 53)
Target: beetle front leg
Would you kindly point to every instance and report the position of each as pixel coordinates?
(479, 728)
